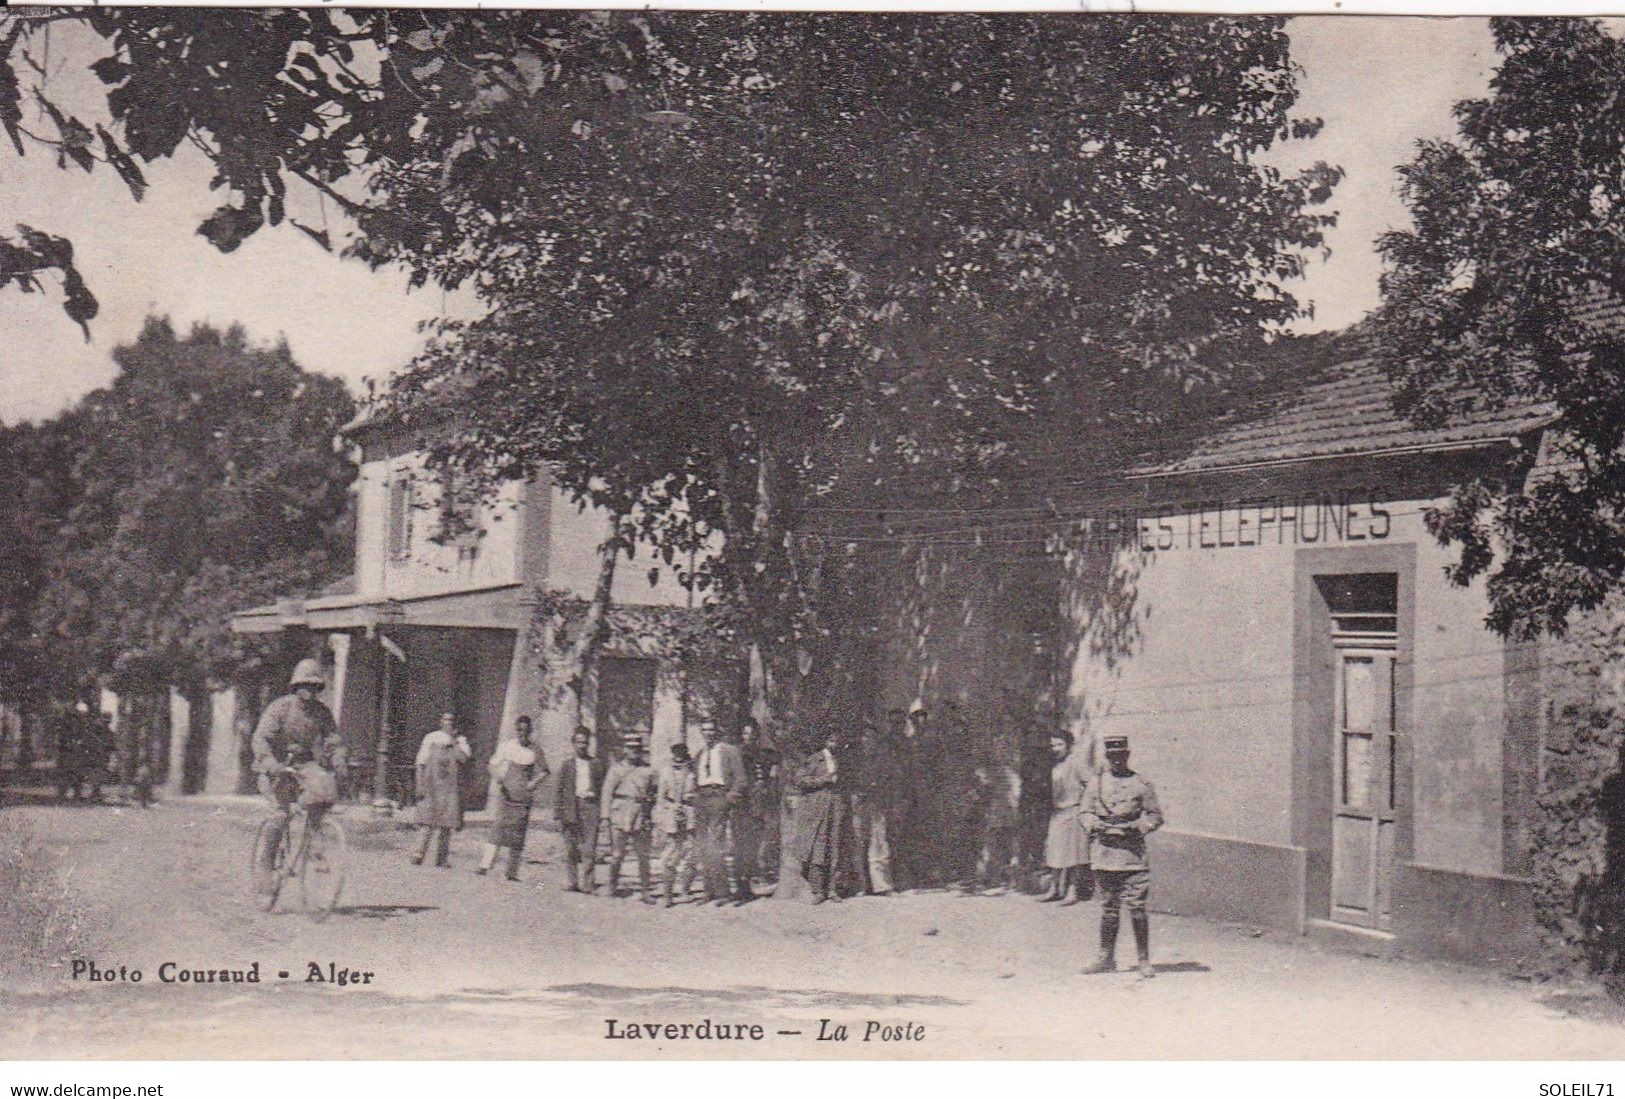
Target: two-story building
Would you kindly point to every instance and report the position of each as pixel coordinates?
(442, 614)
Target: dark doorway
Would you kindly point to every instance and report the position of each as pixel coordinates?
(626, 698)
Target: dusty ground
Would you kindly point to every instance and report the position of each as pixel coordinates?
(475, 967)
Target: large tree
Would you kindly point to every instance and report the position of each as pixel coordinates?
(204, 479)
(735, 262)
(1509, 288)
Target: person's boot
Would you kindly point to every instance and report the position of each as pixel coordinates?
(666, 897)
(514, 856)
(1106, 961)
(614, 879)
(423, 850)
(487, 859)
(1142, 943)
(820, 886)
(1057, 886)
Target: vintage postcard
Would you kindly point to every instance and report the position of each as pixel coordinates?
(743, 535)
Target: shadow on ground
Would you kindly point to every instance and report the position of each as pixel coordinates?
(382, 911)
(1181, 967)
(743, 994)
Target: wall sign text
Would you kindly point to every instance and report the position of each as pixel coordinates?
(1299, 520)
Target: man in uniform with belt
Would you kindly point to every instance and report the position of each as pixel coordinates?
(1119, 815)
(629, 795)
(720, 781)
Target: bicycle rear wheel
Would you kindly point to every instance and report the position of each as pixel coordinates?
(321, 873)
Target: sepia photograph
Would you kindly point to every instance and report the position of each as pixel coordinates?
(747, 535)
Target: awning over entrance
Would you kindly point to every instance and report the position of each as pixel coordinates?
(504, 608)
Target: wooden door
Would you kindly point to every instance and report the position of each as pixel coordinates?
(1365, 789)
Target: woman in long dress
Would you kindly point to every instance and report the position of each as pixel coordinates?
(823, 825)
(1066, 845)
(440, 803)
(518, 769)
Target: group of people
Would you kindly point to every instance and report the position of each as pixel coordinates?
(87, 759)
(833, 816)
(696, 814)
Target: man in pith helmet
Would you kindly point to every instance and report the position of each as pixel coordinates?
(298, 731)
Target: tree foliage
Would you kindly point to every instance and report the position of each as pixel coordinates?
(735, 264)
(34, 490)
(1510, 289)
(203, 479)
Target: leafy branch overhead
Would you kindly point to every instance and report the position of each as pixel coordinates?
(24, 257)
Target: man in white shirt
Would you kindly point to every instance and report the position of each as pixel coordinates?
(575, 808)
(719, 787)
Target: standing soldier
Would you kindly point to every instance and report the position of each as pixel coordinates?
(1121, 812)
(72, 752)
(674, 822)
(881, 786)
(629, 794)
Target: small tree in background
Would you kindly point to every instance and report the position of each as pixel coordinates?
(204, 479)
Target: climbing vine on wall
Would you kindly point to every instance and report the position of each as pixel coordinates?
(1579, 832)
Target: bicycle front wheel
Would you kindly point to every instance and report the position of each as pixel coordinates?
(268, 863)
(321, 873)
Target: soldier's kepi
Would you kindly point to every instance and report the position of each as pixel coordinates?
(1121, 812)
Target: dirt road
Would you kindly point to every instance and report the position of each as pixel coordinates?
(464, 966)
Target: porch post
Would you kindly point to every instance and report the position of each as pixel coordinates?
(380, 777)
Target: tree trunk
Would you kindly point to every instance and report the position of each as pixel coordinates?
(581, 667)
(199, 735)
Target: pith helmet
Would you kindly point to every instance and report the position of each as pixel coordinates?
(308, 671)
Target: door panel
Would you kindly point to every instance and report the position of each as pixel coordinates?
(1363, 819)
(1351, 864)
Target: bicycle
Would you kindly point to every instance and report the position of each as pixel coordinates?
(313, 850)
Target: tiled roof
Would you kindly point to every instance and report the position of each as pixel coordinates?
(1344, 409)
(1342, 406)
